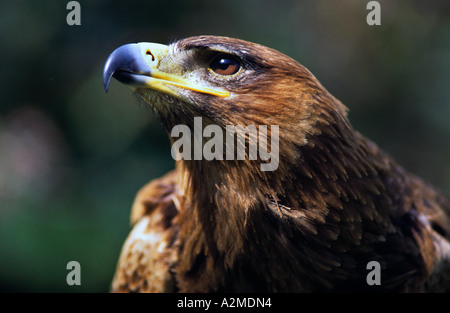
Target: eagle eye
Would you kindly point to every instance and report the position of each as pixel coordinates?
(225, 64)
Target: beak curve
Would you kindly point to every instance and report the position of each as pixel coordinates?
(137, 64)
(128, 62)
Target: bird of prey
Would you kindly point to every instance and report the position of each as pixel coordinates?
(334, 205)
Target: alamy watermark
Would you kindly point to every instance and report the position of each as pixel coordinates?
(73, 278)
(213, 149)
(74, 16)
(374, 16)
(373, 278)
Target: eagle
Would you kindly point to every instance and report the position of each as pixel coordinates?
(334, 211)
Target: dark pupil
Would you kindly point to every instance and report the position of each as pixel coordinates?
(225, 63)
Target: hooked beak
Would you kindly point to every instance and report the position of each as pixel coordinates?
(137, 64)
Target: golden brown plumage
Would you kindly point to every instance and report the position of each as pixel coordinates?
(335, 202)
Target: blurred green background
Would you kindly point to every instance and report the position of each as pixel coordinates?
(72, 157)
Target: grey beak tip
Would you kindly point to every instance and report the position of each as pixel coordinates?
(123, 58)
(108, 71)
(106, 81)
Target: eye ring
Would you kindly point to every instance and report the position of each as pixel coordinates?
(225, 64)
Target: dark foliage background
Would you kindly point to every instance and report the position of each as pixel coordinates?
(72, 157)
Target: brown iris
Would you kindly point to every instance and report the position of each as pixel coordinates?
(225, 64)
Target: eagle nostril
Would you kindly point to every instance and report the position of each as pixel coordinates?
(148, 52)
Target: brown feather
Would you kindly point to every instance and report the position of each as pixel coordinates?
(335, 202)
